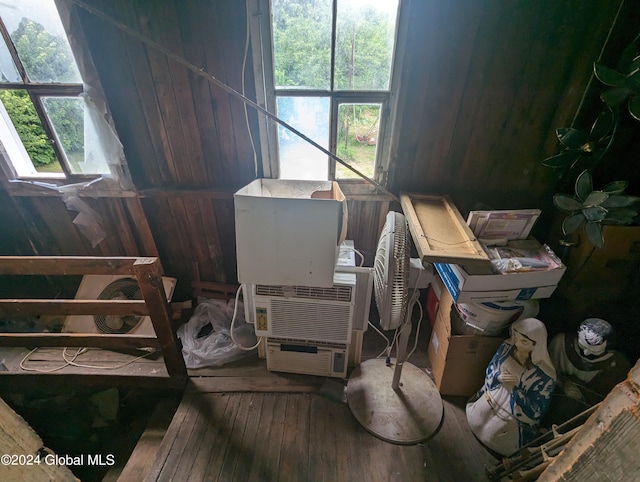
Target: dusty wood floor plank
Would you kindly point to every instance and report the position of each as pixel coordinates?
(237, 450)
(300, 436)
(141, 461)
(181, 426)
(202, 453)
(249, 438)
(224, 440)
(272, 428)
(293, 458)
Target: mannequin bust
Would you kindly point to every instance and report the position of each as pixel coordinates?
(505, 413)
(587, 366)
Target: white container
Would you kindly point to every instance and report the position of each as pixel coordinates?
(489, 318)
(288, 232)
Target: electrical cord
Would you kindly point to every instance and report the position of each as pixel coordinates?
(40, 370)
(233, 320)
(111, 367)
(72, 361)
(415, 343)
(357, 252)
(387, 348)
(246, 113)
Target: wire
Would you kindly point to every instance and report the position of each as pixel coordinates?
(233, 320)
(246, 112)
(111, 367)
(383, 336)
(415, 343)
(72, 361)
(450, 244)
(40, 370)
(358, 253)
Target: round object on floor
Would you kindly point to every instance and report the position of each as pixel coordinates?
(407, 416)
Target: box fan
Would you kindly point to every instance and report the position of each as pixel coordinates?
(113, 287)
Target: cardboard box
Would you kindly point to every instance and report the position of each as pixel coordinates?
(458, 362)
(288, 232)
(468, 288)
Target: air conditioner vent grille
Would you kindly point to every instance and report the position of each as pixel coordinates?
(334, 293)
(312, 321)
(318, 343)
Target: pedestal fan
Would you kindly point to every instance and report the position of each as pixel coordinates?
(399, 403)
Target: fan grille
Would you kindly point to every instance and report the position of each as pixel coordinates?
(391, 271)
(120, 289)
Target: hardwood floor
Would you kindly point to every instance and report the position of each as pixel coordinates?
(240, 422)
(303, 436)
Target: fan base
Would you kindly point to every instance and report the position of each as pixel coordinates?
(407, 416)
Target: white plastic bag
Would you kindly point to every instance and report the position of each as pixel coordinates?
(215, 348)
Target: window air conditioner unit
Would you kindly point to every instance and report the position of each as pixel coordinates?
(304, 312)
(307, 357)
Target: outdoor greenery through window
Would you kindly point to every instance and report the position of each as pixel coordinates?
(332, 62)
(44, 122)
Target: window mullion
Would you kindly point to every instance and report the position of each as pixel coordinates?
(52, 90)
(13, 52)
(334, 22)
(333, 137)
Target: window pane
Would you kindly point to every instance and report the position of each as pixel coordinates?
(358, 126)
(8, 71)
(72, 124)
(42, 45)
(364, 44)
(27, 125)
(302, 43)
(66, 115)
(298, 158)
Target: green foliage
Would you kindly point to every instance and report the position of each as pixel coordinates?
(593, 208)
(624, 83)
(302, 43)
(27, 123)
(67, 117)
(581, 151)
(302, 46)
(363, 58)
(46, 57)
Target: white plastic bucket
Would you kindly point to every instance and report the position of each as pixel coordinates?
(490, 317)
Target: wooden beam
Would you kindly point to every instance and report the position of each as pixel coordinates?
(73, 307)
(147, 271)
(109, 342)
(12, 382)
(149, 274)
(66, 265)
(271, 384)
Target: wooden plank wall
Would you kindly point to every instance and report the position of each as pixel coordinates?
(489, 83)
(486, 82)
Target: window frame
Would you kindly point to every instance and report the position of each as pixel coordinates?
(115, 183)
(259, 13)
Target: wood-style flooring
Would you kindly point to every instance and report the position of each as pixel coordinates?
(240, 422)
(304, 437)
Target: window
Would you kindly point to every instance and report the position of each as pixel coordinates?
(331, 63)
(47, 127)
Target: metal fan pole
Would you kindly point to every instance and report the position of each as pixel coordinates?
(403, 342)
